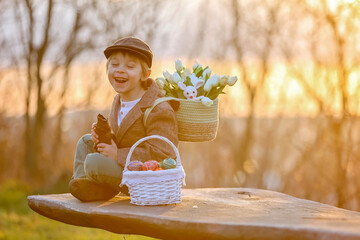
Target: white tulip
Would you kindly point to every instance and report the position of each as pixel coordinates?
(208, 86)
(178, 65)
(182, 75)
(193, 79)
(223, 80)
(168, 76)
(176, 77)
(232, 80)
(215, 80)
(187, 72)
(206, 101)
(160, 82)
(206, 73)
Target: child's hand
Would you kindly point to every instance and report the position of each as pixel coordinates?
(94, 136)
(108, 150)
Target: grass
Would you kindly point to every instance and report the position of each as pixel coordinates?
(18, 221)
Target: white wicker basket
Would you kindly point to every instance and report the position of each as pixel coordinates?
(154, 187)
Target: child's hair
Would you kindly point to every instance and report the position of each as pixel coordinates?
(144, 66)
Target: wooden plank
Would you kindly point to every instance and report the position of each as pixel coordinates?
(209, 213)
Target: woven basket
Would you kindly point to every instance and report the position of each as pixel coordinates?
(154, 187)
(196, 122)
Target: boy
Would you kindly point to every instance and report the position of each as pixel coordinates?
(97, 175)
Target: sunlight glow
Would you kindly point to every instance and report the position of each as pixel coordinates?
(354, 83)
(282, 93)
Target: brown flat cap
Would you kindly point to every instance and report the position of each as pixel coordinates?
(134, 45)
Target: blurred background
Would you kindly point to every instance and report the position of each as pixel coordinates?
(290, 123)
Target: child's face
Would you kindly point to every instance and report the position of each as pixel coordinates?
(125, 75)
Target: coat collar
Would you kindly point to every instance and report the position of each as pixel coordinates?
(150, 95)
(146, 101)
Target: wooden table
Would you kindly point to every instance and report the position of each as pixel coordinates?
(209, 213)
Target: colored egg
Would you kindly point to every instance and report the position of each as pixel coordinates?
(159, 169)
(150, 165)
(168, 163)
(135, 165)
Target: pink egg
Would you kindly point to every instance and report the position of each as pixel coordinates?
(150, 165)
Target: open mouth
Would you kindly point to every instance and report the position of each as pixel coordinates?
(120, 80)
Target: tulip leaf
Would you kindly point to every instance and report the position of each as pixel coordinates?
(214, 92)
(171, 91)
(201, 92)
(180, 94)
(166, 88)
(197, 70)
(213, 95)
(188, 81)
(201, 72)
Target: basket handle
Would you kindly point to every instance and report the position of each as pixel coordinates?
(178, 160)
(156, 102)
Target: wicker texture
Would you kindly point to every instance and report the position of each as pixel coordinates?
(197, 132)
(154, 187)
(196, 122)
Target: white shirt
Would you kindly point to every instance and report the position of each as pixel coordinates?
(125, 107)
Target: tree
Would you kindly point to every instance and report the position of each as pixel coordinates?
(333, 63)
(51, 36)
(249, 42)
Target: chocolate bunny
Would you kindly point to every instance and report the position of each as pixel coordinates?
(103, 130)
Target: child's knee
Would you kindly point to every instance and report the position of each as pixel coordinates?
(86, 139)
(102, 169)
(85, 144)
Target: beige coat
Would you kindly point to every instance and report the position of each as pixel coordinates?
(161, 121)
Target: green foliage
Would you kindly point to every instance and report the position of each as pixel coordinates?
(214, 92)
(12, 195)
(33, 226)
(60, 186)
(18, 221)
